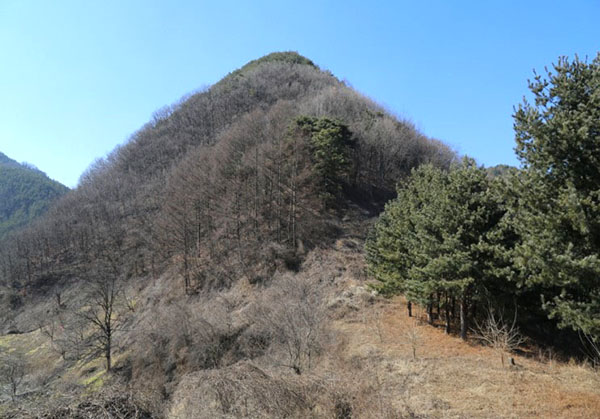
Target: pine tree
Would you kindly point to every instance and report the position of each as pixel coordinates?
(558, 142)
(438, 242)
(330, 144)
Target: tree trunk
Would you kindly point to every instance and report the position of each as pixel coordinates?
(108, 350)
(453, 307)
(409, 308)
(463, 318)
(447, 315)
(430, 313)
(186, 271)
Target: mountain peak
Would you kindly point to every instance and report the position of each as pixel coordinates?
(290, 57)
(287, 57)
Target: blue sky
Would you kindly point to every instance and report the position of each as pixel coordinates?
(78, 77)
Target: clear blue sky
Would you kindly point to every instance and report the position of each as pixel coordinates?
(78, 77)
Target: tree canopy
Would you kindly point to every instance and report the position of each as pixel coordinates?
(531, 235)
(435, 242)
(558, 142)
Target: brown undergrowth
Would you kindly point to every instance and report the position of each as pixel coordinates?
(372, 361)
(452, 378)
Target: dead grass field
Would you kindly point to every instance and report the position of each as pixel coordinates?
(451, 378)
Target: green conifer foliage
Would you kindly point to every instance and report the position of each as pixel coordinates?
(558, 142)
(439, 241)
(330, 144)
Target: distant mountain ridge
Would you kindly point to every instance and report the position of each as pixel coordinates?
(25, 194)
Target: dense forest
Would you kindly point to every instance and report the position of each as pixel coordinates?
(25, 194)
(220, 171)
(201, 268)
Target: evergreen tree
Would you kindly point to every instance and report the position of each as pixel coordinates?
(330, 144)
(558, 142)
(438, 242)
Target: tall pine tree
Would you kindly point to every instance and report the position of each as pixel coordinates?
(558, 142)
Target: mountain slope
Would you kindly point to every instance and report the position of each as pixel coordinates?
(223, 155)
(25, 194)
(209, 227)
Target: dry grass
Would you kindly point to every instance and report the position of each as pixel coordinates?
(378, 363)
(451, 378)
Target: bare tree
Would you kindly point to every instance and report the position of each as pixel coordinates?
(68, 335)
(104, 316)
(13, 369)
(495, 332)
(412, 337)
(293, 314)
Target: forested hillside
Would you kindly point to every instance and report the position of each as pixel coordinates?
(249, 253)
(25, 193)
(223, 168)
(235, 186)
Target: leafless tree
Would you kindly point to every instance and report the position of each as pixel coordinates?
(68, 334)
(293, 314)
(501, 336)
(104, 316)
(13, 369)
(412, 337)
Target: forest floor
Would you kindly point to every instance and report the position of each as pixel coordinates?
(448, 377)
